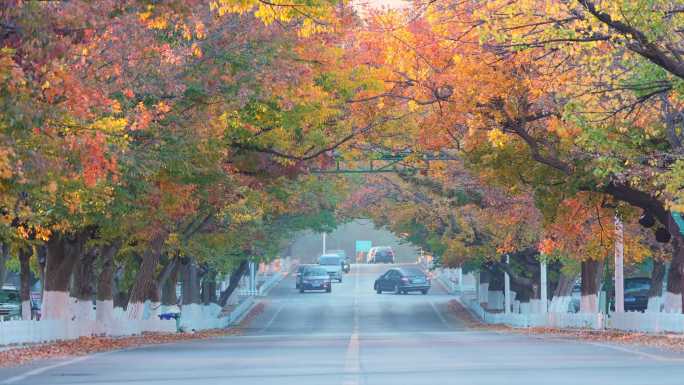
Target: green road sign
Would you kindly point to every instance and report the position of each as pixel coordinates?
(363, 246)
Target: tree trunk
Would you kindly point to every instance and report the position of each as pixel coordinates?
(656, 291)
(672, 301)
(4, 257)
(191, 285)
(83, 281)
(25, 285)
(483, 289)
(235, 277)
(145, 286)
(62, 253)
(562, 295)
(104, 309)
(209, 288)
(592, 272)
(169, 297)
(41, 254)
(165, 274)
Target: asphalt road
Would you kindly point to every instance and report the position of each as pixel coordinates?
(354, 336)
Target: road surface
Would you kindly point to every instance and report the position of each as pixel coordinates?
(354, 336)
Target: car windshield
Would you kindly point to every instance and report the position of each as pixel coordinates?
(341, 253)
(9, 296)
(637, 286)
(412, 271)
(316, 271)
(329, 260)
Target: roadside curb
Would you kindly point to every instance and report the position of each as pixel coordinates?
(241, 311)
(446, 287)
(270, 284)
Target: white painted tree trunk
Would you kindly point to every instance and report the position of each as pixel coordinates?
(560, 304)
(26, 310)
(589, 304)
(82, 310)
(55, 305)
(155, 309)
(484, 293)
(104, 314)
(672, 303)
(655, 305)
(135, 311)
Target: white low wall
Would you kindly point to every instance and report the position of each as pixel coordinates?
(647, 322)
(23, 332)
(554, 320)
(201, 317)
(455, 281)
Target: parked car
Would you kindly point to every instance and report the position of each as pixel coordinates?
(10, 303)
(332, 263)
(315, 278)
(300, 273)
(576, 297)
(345, 263)
(403, 280)
(380, 254)
(636, 294)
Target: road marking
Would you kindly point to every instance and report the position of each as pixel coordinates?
(352, 363)
(636, 352)
(38, 371)
(270, 322)
(623, 349)
(439, 315)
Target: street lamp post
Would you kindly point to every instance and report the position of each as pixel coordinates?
(544, 294)
(507, 289)
(324, 239)
(619, 266)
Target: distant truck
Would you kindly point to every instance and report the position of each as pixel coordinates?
(332, 264)
(346, 265)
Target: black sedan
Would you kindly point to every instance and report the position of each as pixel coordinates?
(636, 293)
(403, 280)
(315, 278)
(300, 273)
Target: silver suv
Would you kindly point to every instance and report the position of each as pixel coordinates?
(332, 263)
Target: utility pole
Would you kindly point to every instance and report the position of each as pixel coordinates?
(619, 266)
(507, 289)
(324, 238)
(544, 294)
